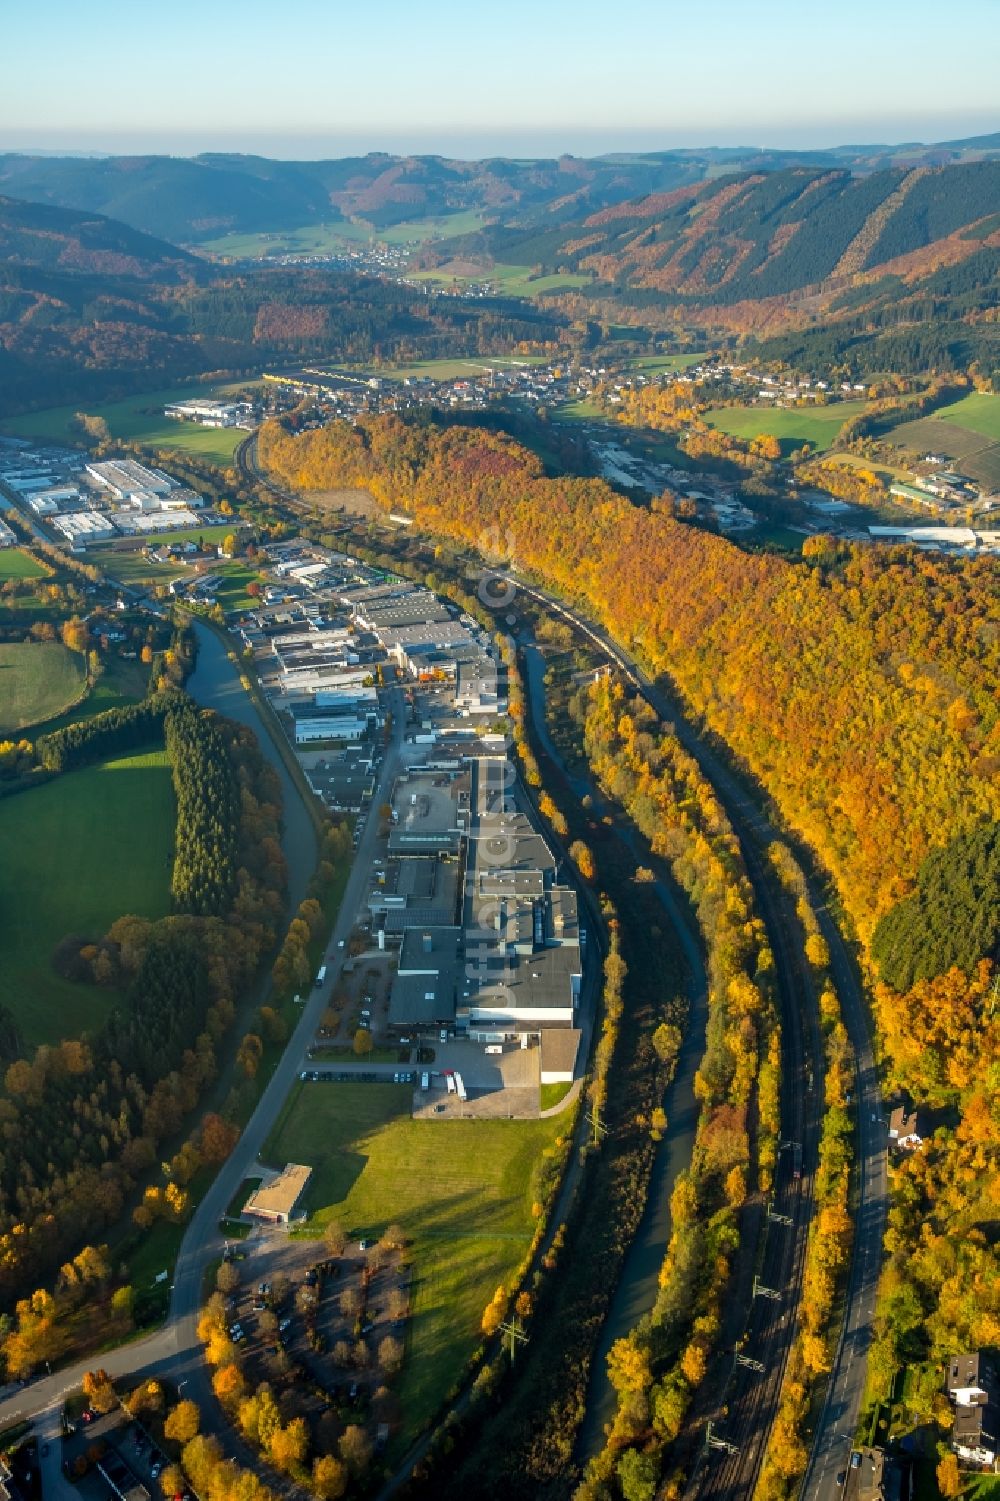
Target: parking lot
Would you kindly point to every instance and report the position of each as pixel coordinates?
(319, 1327)
(497, 1086)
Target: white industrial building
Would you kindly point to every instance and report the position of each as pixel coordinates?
(207, 413)
(125, 478)
(81, 528)
(330, 727)
(46, 502)
(134, 523)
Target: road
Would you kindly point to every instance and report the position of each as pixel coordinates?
(174, 1351)
(755, 829)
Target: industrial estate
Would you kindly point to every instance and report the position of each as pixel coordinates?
(499, 825)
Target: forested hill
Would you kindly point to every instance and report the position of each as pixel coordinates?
(90, 308)
(46, 237)
(189, 199)
(756, 236)
(860, 690)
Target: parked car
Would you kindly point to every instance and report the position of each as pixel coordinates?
(365, 1245)
(285, 1324)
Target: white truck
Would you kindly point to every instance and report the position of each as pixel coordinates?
(460, 1087)
(321, 976)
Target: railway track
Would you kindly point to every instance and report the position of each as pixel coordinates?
(738, 1431)
(730, 1462)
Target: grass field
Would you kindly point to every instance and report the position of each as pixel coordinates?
(967, 433)
(978, 413)
(121, 682)
(583, 410)
(17, 564)
(75, 854)
(444, 369)
(138, 419)
(232, 592)
(513, 281)
(657, 364)
(38, 680)
(460, 1190)
(792, 426)
(329, 239)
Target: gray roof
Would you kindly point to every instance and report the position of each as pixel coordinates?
(560, 1046)
(425, 986)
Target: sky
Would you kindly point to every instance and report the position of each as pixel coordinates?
(333, 77)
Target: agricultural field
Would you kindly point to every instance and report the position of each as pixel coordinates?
(978, 413)
(330, 239)
(139, 419)
(512, 281)
(122, 682)
(113, 826)
(967, 432)
(15, 563)
(38, 680)
(461, 1190)
(792, 426)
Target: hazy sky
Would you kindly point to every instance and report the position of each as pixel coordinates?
(325, 77)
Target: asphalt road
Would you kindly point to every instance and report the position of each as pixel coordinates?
(173, 1351)
(841, 1408)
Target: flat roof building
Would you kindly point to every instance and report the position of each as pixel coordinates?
(428, 815)
(427, 981)
(124, 477)
(275, 1200)
(81, 528)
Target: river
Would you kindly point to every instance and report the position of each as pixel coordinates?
(215, 683)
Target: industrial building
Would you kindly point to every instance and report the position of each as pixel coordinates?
(208, 413)
(81, 528)
(513, 963)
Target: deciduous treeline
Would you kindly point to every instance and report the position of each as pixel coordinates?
(658, 1366)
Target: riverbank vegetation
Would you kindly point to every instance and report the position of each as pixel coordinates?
(658, 1366)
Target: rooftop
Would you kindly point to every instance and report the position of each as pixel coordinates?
(280, 1194)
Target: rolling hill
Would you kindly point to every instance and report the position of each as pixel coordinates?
(193, 199)
(854, 259)
(93, 308)
(58, 239)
